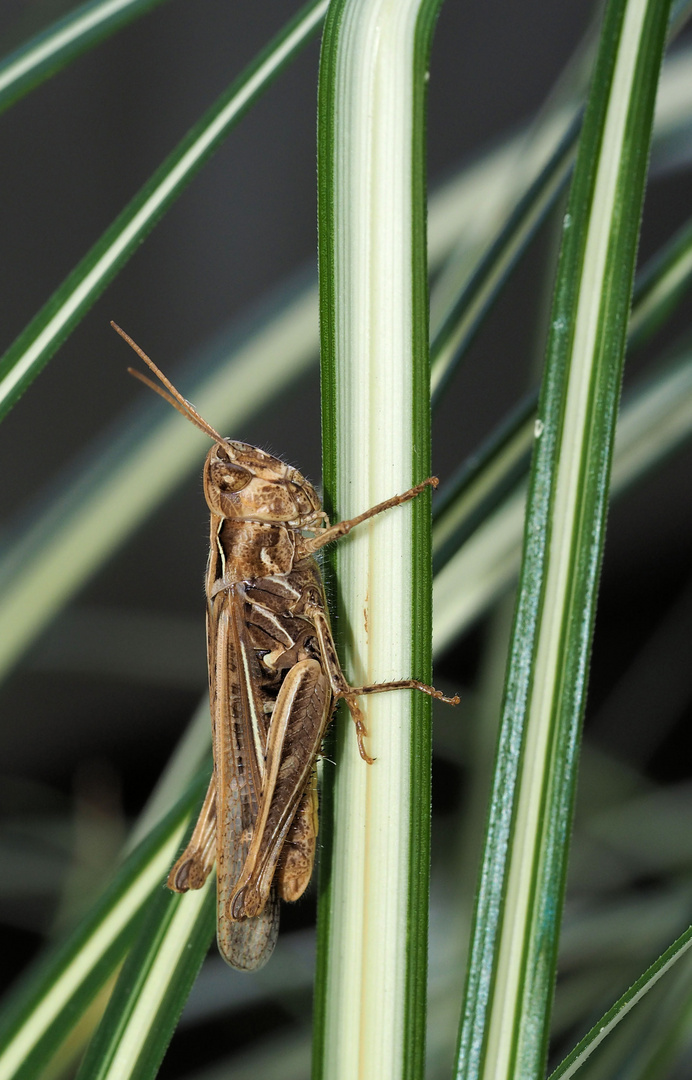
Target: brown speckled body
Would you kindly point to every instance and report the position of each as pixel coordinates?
(270, 697)
(274, 676)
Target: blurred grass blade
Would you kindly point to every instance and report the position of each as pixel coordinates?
(49, 328)
(55, 993)
(600, 1031)
(153, 986)
(124, 484)
(660, 287)
(62, 41)
(510, 985)
(655, 420)
(461, 322)
(480, 485)
(472, 207)
(189, 756)
(539, 176)
(371, 986)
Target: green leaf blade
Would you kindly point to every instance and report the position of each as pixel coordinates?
(54, 48)
(371, 986)
(153, 986)
(510, 987)
(42, 1012)
(601, 1030)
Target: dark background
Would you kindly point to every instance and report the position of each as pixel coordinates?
(73, 153)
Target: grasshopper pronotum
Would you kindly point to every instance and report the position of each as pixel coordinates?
(274, 679)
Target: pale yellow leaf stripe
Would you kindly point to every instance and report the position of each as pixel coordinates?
(79, 967)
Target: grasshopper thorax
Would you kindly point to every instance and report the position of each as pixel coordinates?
(245, 483)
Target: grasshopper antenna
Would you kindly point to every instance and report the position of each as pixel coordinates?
(170, 394)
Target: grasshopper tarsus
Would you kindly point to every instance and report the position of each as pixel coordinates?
(361, 729)
(439, 696)
(382, 688)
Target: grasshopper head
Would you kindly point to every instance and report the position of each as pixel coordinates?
(241, 481)
(245, 483)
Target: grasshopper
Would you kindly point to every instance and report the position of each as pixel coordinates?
(274, 680)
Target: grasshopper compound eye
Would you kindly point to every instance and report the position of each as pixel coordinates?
(226, 475)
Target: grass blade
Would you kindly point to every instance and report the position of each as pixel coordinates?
(655, 420)
(600, 1031)
(661, 286)
(511, 975)
(374, 872)
(153, 986)
(480, 485)
(464, 317)
(43, 1010)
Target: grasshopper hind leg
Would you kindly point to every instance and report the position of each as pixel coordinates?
(195, 864)
(297, 859)
(245, 945)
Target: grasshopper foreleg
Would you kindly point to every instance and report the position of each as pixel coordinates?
(343, 528)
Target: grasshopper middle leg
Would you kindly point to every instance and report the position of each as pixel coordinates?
(341, 689)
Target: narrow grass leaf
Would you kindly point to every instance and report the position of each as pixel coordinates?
(600, 1031)
(464, 317)
(480, 485)
(49, 328)
(510, 984)
(656, 419)
(661, 286)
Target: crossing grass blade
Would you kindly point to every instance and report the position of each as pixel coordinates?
(607, 1023)
(153, 986)
(61, 42)
(35, 346)
(43, 1010)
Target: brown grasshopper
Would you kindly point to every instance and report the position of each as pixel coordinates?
(274, 680)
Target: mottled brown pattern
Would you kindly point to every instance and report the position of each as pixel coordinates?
(273, 678)
(294, 868)
(270, 701)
